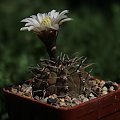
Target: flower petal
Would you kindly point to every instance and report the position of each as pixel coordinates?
(24, 28)
(55, 27)
(57, 20)
(63, 13)
(29, 24)
(31, 28)
(52, 13)
(64, 20)
(33, 16)
(55, 15)
(25, 20)
(39, 16)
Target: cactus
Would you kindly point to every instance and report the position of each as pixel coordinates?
(65, 76)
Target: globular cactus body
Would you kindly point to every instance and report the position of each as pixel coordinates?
(65, 76)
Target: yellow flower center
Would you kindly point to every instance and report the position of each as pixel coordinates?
(46, 21)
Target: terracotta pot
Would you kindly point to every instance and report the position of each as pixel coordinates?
(106, 107)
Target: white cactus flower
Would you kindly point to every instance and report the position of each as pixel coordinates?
(42, 22)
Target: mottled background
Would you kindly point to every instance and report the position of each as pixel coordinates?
(94, 33)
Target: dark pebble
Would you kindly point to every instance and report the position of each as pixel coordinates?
(108, 84)
(51, 101)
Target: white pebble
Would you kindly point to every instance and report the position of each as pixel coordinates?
(68, 99)
(76, 101)
(36, 97)
(85, 99)
(111, 89)
(104, 92)
(54, 96)
(45, 99)
(102, 83)
(81, 97)
(62, 104)
(105, 89)
(62, 99)
(14, 90)
(29, 89)
(91, 95)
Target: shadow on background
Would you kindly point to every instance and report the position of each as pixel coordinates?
(94, 33)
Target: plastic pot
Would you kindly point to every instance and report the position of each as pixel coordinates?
(106, 107)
